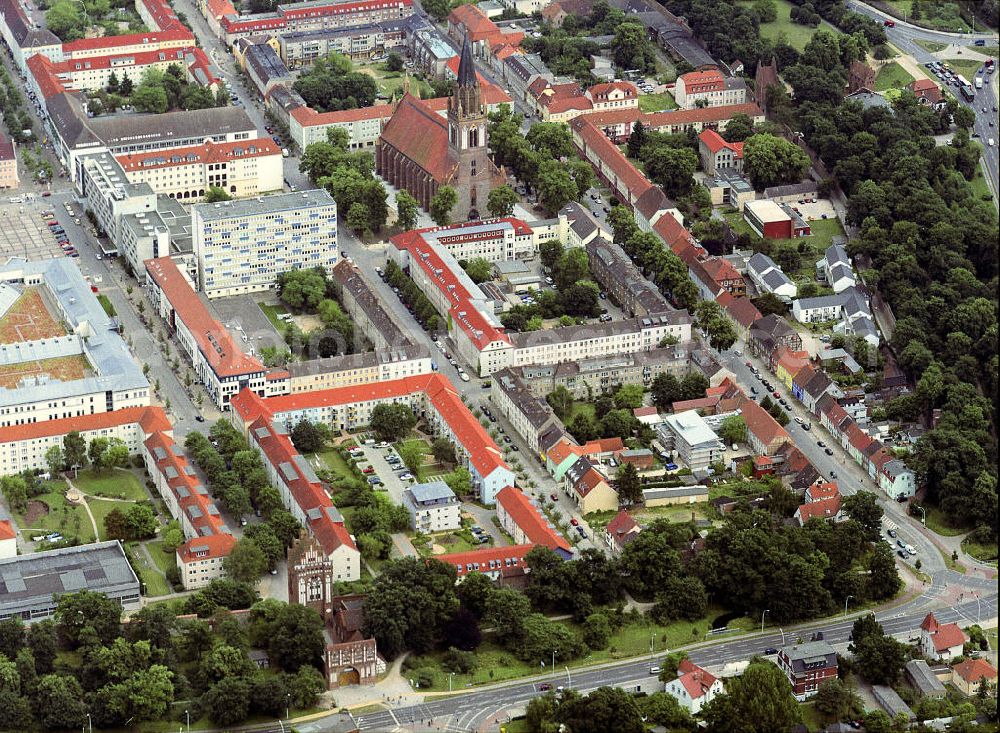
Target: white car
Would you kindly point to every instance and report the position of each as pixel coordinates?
(464, 376)
(406, 476)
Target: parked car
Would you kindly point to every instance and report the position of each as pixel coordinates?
(821, 444)
(406, 476)
(829, 451)
(574, 522)
(553, 497)
(374, 480)
(891, 533)
(368, 469)
(770, 650)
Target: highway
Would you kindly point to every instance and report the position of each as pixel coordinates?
(905, 36)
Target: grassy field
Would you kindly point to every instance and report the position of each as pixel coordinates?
(61, 516)
(930, 46)
(272, 312)
(965, 67)
(113, 484)
(164, 560)
(937, 522)
(156, 584)
(656, 102)
(796, 35)
(979, 187)
(946, 18)
(892, 76)
(100, 509)
(105, 302)
(391, 82)
(578, 408)
(985, 553)
(335, 462)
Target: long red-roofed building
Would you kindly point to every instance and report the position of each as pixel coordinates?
(23, 447)
(208, 539)
(312, 15)
(498, 563)
(219, 363)
(522, 520)
(431, 396)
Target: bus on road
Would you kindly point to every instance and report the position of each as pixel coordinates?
(962, 81)
(968, 93)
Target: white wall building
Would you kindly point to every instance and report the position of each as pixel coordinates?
(242, 246)
(696, 443)
(433, 507)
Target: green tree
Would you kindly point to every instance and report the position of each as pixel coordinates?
(733, 430)
(59, 702)
(837, 700)
(149, 98)
(628, 484)
(560, 400)
(596, 631)
(358, 217)
(443, 450)
(863, 507)
(765, 10)
(15, 490)
(66, 20)
(268, 542)
(438, 9)
(245, 562)
(43, 646)
(479, 269)
(758, 701)
(392, 422)
(228, 701)
(550, 253)
(394, 63)
(302, 288)
(215, 194)
(501, 201)
(86, 614)
(551, 139)
(771, 161)
(406, 211)
(877, 657)
(604, 709)
(632, 48)
(665, 390)
(55, 459)
(95, 452)
(629, 396)
(671, 168)
(555, 185)
(441, 205)
(308, 437)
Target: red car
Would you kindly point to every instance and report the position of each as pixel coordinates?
(749, 364)
(889, 23)
(776, 394)
(553, 497)
(574, 522)
(46, 194)
(368, 469)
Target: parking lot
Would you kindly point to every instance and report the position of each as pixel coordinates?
(815, 209)
(24, 233)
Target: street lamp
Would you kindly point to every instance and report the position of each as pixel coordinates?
(762, 619)
(979, 608)
(569, 680)
(451, 676)
(846, 601)
(90, 724)
(188, 714)
(553, 659)
(288, 705)
(923, 514)
(652, 637)
(782, 635)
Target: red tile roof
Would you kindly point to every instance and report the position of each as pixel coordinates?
(819, 492)
(589, 481)
(7, 530)
(507, 560)
(208, 152)
(708, 76)
(153, 40)
(602, 445)
(740, 310)
(191, 495)
(647, 411)
(293, 11)
(923, 85)
(759, 422)
(309, 495)
(595, 140)
(705, 115)
(721, 270)
(823, 509)
(604, 91)
(563, 450)
(622, 528)
(442, 395)
(150, 419)
(492, 95)
(214, 341)
(715, 142)
(308, 117)
(944, 636)
(696, 680)
(699, 403)
(162, 14)
(463, 312)
(526, 516)
(220, 8)
(477, 25)
(421, 135)
(974, 670)
(201, 548)
(930, 623)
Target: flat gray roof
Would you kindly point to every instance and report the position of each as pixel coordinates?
(265, 204)
(28, 583)
(432, 491)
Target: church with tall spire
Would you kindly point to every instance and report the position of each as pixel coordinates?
(420, 151)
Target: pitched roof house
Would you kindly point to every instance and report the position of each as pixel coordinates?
(971, 673)
(620, 531)
(694, 687)
(941, 642)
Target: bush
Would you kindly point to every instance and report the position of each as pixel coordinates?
(455, 660)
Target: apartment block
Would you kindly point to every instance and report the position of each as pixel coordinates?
(241, 169)
(221, 366)
(242, 246)
(433, 507)
(710, 88)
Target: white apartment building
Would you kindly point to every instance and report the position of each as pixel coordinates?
(221, 366)
(433, 507)
(307, 126)
(241, 169)
(109, 194)
(23, 447)
(576, 343)
(242, 246)
(709, 87)
(696, 443)
(112, 379)
(351, 370)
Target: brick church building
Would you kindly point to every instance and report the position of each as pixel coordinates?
(419, 151)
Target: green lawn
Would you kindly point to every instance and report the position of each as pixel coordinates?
(930, 46)
(965, 67)
(335, 462)
(979, 187)
(413, 444)
(937, 521)
(114, 484)
(946, 15)
(813, 719)
(61, 517)
(656, 102)
(272, 312)
(106, 304)
(892, 76)
(100, 509)
(164, 560)
(156, 584)
(985, 553)
(578, 408)
(391, 82)
(796, 35)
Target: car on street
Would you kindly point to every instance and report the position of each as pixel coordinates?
(382, 444)
(544, 687)
(776, 393)
(770, 650)
(553, 497)
(671, 466)
(829, 451)
(405, 476)
(821, 444)
(574, 522)
(901, 554)
(891, 533)
(368, 469)
(506, 439)
(749, 364)
(582, 532)
(199, 418)
(465, 377)
(833, 474)
(515, 448)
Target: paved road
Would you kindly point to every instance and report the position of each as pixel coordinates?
(905, 36)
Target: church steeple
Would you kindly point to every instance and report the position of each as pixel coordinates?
(467, 99)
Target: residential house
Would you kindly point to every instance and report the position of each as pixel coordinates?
(620, 531)
(897, 479)
(969, 674)
(709, 88)
(520, 517)
(433, 507)
(764, 433)
(788, 364)
(894, 706)
(769, 278)
(613, 95)
(695, 443)
(716, 152)
(741, 311)
(694, 687)
(589, 488)
(807, 666)
(926, 91)
(770, 332)
(940, 642)
(835, 267)
(8, 164)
